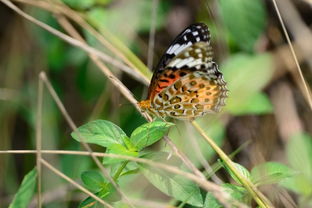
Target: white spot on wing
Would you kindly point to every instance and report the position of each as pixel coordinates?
(195, 33)
(174, 62)
(173, 48)
(177, 48)
(184, 62)
(194, 63)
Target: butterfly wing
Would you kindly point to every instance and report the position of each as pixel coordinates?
(193, 95)
(162, 78)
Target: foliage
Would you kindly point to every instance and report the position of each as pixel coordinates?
(246, 76)
(109, 135)
(299, 153)
(26, 191)
(245, 21)
(173, 185)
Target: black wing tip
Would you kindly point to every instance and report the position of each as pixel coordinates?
(198, 25)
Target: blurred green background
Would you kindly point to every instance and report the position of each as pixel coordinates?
(266, 108)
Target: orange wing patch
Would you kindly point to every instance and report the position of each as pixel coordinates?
(165, 79)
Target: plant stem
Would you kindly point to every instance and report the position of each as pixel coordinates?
(119, 171)
(262, 201)
(216, 166)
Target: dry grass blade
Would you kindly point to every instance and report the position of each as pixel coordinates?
(59, 173)
(38, 140)
(307, 90)
(151, 40)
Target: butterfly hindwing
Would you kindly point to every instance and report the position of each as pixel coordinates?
(193, 95)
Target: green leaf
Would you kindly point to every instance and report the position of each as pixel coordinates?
(89, 202)
(57, 55)
(299, 153)
(257, 103)
(93, 180)
(111, 17)
(80, 4)
(237, 192)
(243, 171)
(119, 150)
(211, 202)
(299, 184)
(105, 193)
(246, 76)
(173, 185)
(130, 172)
(103, 2)
(26, 191)
(100, 132)
(149, 133)
(182, 136)
(74, 165)
(270, 173)
(245, 21)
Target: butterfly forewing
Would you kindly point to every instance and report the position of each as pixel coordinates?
(194, 33)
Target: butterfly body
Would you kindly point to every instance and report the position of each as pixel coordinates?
(187, 83)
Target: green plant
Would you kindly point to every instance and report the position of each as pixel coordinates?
(112, 137)
(107, 134)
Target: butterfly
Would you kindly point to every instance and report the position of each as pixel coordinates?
(186, 83)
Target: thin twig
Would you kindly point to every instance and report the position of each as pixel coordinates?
(184, 158)
(39, 140)
(200, 156)
(62, 175)
(151, 41)
(307, 91)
